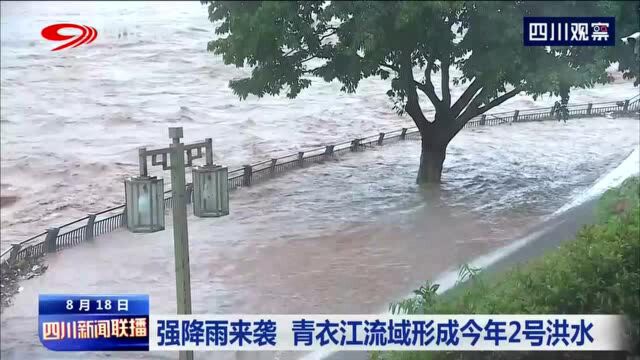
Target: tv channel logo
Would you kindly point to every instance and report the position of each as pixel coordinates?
(569, 31)
(52, 32)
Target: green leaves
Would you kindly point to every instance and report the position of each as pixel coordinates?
(352, 40)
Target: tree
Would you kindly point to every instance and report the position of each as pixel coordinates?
(409, 43)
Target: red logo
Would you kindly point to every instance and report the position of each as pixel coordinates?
(51, 33)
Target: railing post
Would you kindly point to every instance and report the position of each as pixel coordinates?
(483, 119)
(403, 134)
(515, 116)
(189, 192)
(626, 106)
(589, 107)
(355, 143)
(88, 234)
(13, 255)
(380, 138)
(301, 158)
(248, 173)
(50, 240)
(328, 151)
(272, 167)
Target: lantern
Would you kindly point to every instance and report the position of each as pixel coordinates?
(210, 191)
(145, 204)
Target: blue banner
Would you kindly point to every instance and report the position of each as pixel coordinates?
(94, 322)
(335, 332)
(569, 31)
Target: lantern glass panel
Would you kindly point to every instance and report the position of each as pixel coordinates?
(208, 195)
(144, 204)
(223, 183)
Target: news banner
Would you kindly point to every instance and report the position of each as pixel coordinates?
(123, 322)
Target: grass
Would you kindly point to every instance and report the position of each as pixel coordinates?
(597, 273)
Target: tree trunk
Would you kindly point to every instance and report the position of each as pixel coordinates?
(435, 138)
(431, 161)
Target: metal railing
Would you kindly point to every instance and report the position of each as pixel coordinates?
(113, 218)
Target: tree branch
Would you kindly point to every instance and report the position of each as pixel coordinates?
(466, 97)
(474, 110)
(307, 59)
(412, 107)
(390, 66)
(310, 71)
(327, 35)
(428, 89)
(499, 100)
(444, 84)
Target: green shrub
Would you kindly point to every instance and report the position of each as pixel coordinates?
(598, 273)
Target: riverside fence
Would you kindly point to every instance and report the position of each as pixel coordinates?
(96, 224)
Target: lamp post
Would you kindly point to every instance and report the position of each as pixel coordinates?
(145, 202)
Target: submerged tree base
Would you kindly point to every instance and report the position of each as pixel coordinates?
(431, 162)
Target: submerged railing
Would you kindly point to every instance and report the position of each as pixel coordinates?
(93, 225)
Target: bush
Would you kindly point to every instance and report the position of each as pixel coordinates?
(598, 273)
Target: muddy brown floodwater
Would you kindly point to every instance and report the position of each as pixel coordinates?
(344, 237)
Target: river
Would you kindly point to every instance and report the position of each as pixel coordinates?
(72, 119)
(344, 237)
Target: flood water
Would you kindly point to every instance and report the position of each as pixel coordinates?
(343, 237)
(71, 120)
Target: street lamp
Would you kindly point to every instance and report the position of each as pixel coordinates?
(145, 202)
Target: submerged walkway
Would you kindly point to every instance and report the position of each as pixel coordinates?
(338, 238)
(84, 229)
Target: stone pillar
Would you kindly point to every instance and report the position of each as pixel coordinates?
(272, 167)
(301, 158)
(380, 138)
(88, 233)
(355, 144)
(328, 151)
(13, 255)
(515, 116)
(50, 240)
(403, 134)
(248, 173)
(483, 119)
